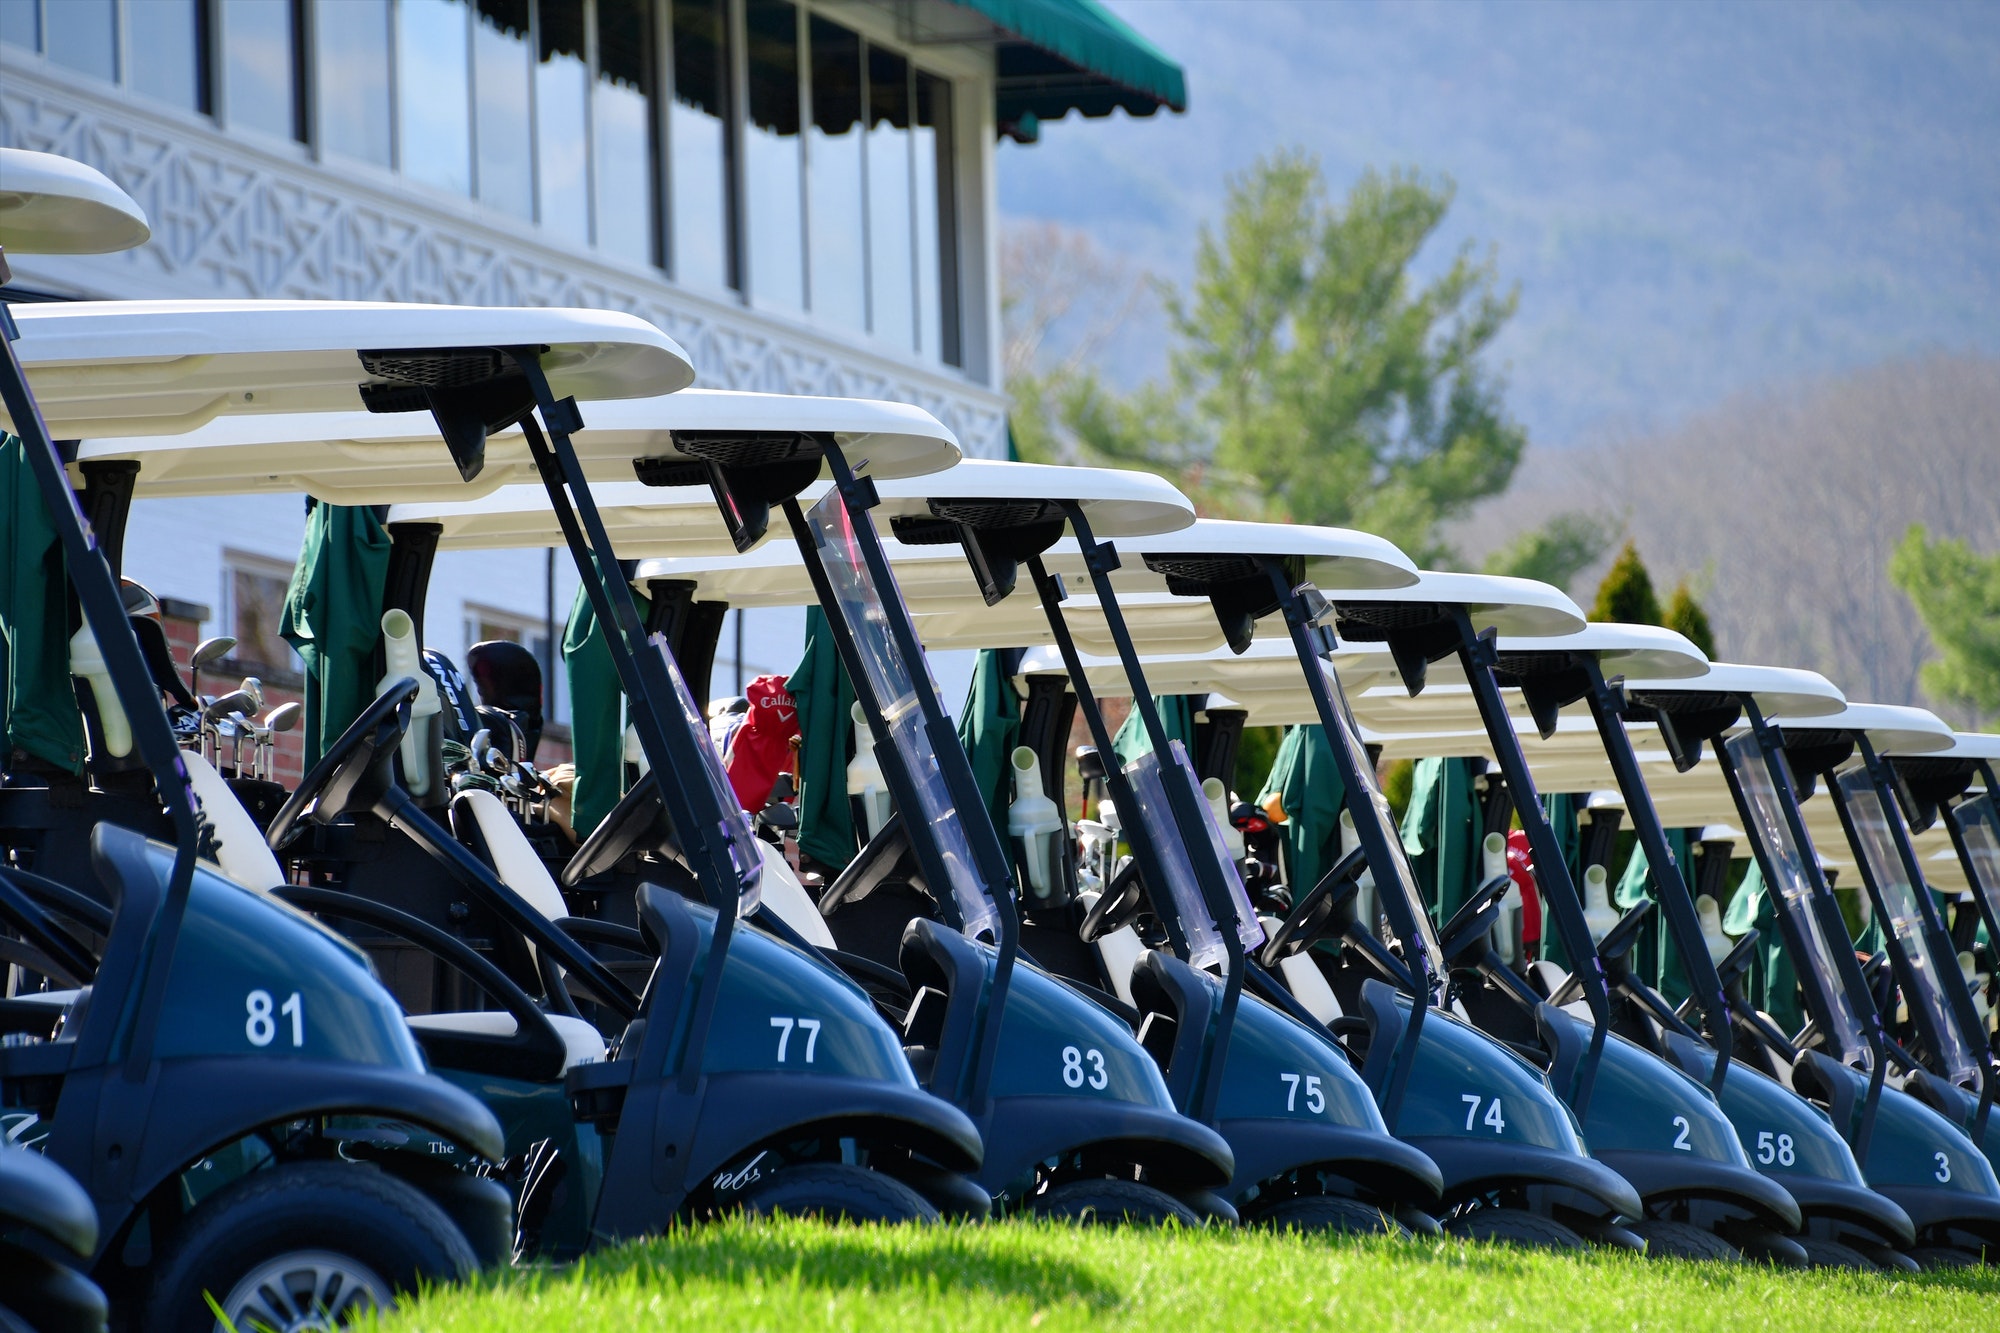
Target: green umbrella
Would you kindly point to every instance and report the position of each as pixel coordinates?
(1774, 986)
(1654, 957)
(333, 617)
(1308, 788)
(1441, 831)
(989, 728)
(39, 715)
(826, 730)
(596, 716)
(1176, 716)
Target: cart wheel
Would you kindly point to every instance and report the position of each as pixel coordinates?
(838, 1191)
(1684, 1240)
(310, 1245)
(1940, 1256)
(1832, 1254)
(1511, 1226)
(1323, 1214)
(1113, 1203)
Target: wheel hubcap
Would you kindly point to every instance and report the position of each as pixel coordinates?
(306, 1291)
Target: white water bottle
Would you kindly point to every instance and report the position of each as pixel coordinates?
(1033, 818)
(864, 776)
(1598, 913)
(1493, 861)
(401, 653)
(87, 660)
(1710, 913)
(1217, 796)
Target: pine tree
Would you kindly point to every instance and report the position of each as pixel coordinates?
(1626, 595)
(1685, 616)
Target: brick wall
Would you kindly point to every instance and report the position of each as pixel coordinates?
(183, 621)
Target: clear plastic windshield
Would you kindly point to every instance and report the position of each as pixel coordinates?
(1876, 844)
(1979, 823)
(1205, 946)
(734, 826)
(895, 684)
(1768, 825)
(1406, 879)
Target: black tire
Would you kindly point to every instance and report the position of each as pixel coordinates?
(354, 1232)
(1941, 1256)
(1832, 1254)
(836, 1191)
(1112, 1203)
(1327, 1215)
(1684, 1240)
(1511, 1226)
(45, 1296)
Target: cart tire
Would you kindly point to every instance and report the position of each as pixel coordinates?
(1112, 1203)
(1832, 1254)
(1684, 1240)
(1511, 1226)
(839, 1192)
(1941, 1256)
(1327, 1215)
(339, 1235)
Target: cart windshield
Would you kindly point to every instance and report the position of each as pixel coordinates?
(895, 683)
(732, 823)
(1149, 787)
(1769, 826)
(1979, 825)
(1378, 804)
(1875, 844)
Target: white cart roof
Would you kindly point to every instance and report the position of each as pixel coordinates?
(1964, 745)
(1510, 607)
(398, 458)
(51, 205)
(123, 368)
(1335, 558)
(1779, 691)
(1890, 728)
(681, 522)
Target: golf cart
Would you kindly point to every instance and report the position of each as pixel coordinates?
(1316, 1158)
(305, 1192)
(1075, 1115)
(1959, 783)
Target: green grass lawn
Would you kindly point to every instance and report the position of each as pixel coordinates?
(807, 1275)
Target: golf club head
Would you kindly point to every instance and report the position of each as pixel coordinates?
(254, 688)
(210, 651)
(284, 717)
(236, 701)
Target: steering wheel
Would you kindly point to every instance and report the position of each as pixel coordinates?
(638, 812)
(1619, 940)
(356, 771)
(1737, 961)
(1310, 914)
(1117, 907)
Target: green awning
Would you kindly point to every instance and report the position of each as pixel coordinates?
(1054, 56)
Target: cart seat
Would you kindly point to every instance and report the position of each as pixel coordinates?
(240, 849)
(509, 852)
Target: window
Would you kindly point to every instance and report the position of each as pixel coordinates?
(260, 62)
(891, 261)
(502, 134)
(622, 130)
(253, 597)
(21, 24)
(698, 153)
(483, 625)
(83, 35)
(771, 156)
(937, 223)
(351, 50)
(562, 91)
(837, 227)
(162, 46)
(434, 93)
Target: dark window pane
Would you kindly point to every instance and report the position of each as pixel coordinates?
(890, 269)
(698, 147)
(21, 24)
(562, 88)
(500, 65)
(833, 178)
(172, 36)
(771, 156)
(622, 129)
(82, 35)
(352, 54)
(434, 93)
(259, 66)
(937, 223)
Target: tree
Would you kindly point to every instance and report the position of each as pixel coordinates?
(1626, 595)
(1557, 551)
(1956, 591)
(1685, 616)
(1311, 378)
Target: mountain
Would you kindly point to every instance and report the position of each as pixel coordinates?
(1696, 200)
